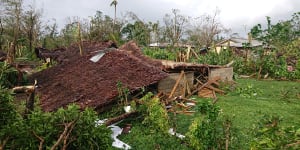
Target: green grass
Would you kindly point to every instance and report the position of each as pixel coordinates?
(271, 100)
(280, 98)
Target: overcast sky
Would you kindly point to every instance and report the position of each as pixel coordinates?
(238, 15)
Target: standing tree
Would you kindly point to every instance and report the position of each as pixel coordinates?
(1, 34)
(137, 31)
(114, 3)
(174, 27)
(32, 26)
(101, 27)
(205, 29)
(12, 17)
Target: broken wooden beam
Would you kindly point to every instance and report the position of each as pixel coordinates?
(23, 89)
(119, 118)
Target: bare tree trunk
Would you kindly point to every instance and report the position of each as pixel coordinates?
(41, 140)
(79, 39)
(1, 34)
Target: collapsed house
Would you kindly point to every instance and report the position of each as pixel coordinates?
(91, 80)
(93, 84)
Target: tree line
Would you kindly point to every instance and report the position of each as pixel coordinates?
(22, 29)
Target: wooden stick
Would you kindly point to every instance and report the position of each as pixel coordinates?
(23, 89)
(41, 140)
(176, 84)
(63, 134)
(118, 118)
(185, 112)
(182, 105)
(3, 143)
(204, 85)
(293, 144)
(189, 100)
(215, 89)
(184, 86)
(195, 53)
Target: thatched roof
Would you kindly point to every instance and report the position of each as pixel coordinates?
(94, 84)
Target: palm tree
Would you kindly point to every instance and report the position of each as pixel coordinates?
(114, 3)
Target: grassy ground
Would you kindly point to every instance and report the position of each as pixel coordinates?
(250, 100)
(278, 98)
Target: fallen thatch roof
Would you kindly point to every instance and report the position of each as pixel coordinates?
(93, 84)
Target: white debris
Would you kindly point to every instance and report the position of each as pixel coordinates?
(127, 109)
(117, 143)
(171, 131)
(191, 104)
(97, 57)
(116, 132)
(100, 122)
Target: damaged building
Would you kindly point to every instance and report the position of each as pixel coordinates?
(91, 80)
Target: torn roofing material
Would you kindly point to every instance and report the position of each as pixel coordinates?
(94, 84)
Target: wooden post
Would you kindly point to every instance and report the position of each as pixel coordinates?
(176, 84)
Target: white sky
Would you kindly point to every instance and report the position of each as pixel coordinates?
(237, 15)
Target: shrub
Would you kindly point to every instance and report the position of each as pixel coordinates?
(156, 116)
(203, 132)
(270, 135)
(68, 128)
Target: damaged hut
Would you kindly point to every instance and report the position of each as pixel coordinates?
(91, 80)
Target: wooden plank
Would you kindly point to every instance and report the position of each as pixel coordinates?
(204, 85)
(206, 92)
(176, 84)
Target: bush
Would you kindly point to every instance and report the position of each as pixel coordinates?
(8, 75)
(156, 116)
(159, 54)
(203, 132)
(68, 128)
(270, 135)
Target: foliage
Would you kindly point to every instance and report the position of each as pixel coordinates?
(8, 75)
(159, 54)
(43, 129)
(213, 58)
(68, 128)
(270, 135)
(248, 92)
(123, 93)
(156, 117)
(8, 116)
(204, 133)
(279, 34)
(138, 31)
(141, 137)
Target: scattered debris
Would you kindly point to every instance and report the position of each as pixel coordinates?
(116, 132)
(171, 131)
(118, 143)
